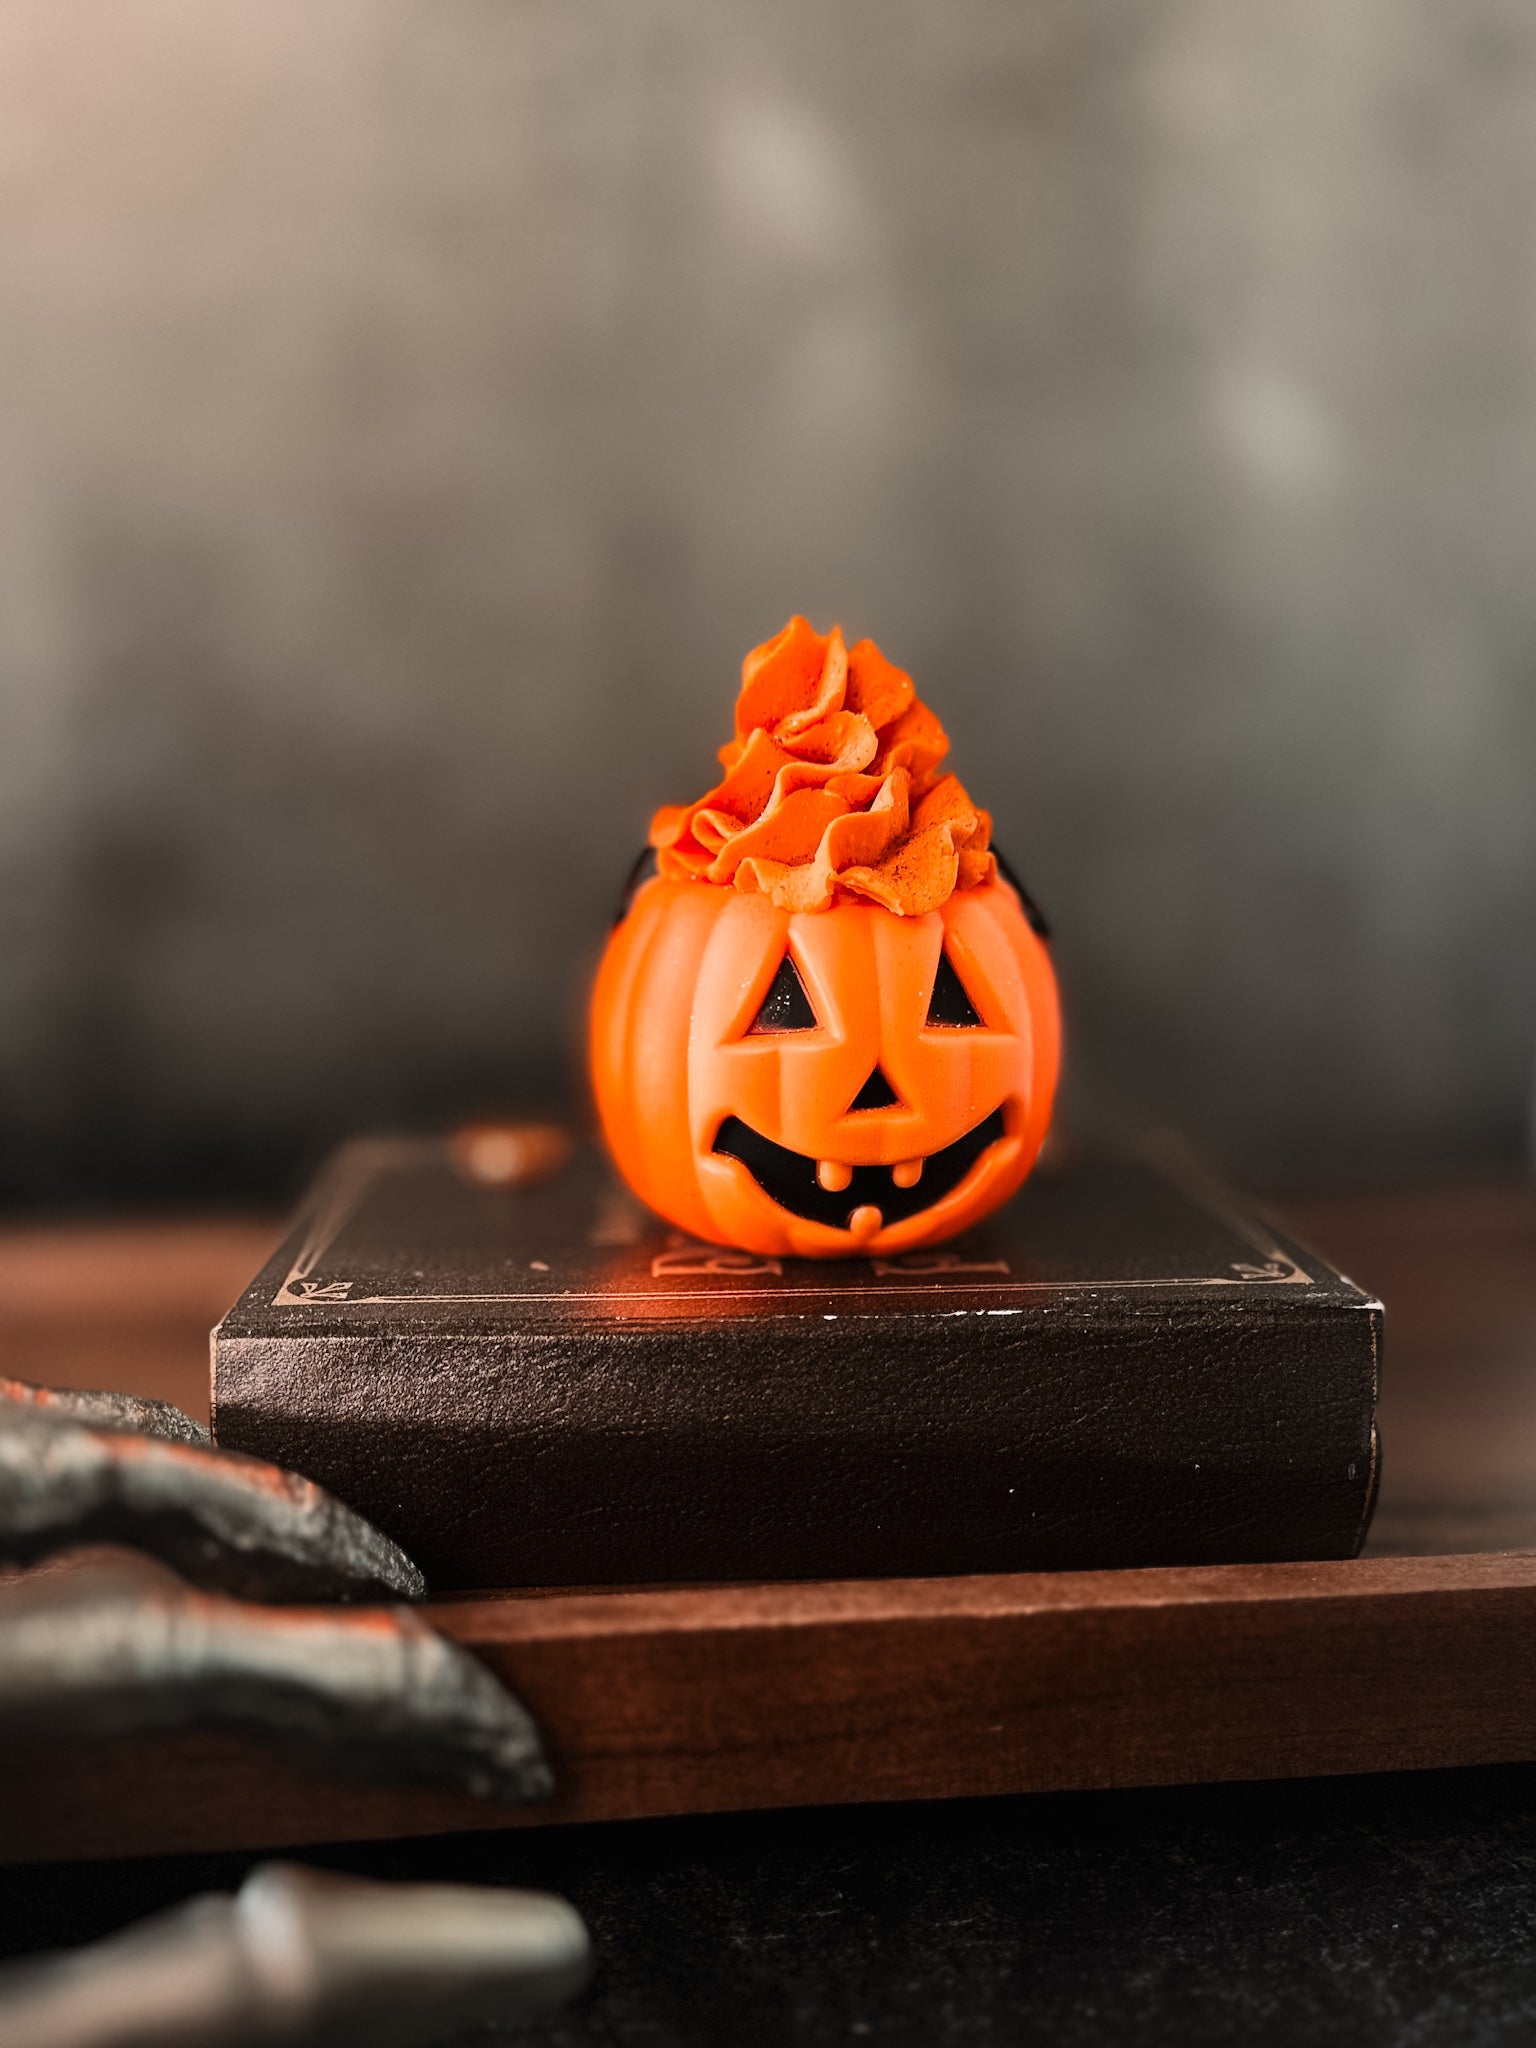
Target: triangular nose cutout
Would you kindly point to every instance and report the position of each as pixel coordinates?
(877, 1093)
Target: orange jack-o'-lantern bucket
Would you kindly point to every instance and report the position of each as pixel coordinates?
(828, 1023)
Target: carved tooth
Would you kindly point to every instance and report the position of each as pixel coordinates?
(908, 1173)
(864, 1222)
(833, 1175)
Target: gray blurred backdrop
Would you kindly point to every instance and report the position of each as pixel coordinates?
(411, 413)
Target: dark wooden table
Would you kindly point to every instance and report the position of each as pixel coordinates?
(1383, 1908)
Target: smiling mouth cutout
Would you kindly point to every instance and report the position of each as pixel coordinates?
(871, 1193)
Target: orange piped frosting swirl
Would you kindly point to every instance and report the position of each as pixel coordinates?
(831, 789)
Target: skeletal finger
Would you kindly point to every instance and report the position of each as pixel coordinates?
(308, 1960)
(96, 1648)
(100, 1409)
(221, 1520)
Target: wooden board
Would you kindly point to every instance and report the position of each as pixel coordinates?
(716, 1698)
(124, 1305)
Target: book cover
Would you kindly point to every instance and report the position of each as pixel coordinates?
(1124, 1366)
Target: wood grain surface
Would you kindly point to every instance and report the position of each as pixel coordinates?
(706, 1699)
(124, 1305)
(1456, 1268)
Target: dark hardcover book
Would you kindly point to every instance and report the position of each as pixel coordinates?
(549, 1387)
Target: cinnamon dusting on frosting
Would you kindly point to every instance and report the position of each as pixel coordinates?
(831, 790)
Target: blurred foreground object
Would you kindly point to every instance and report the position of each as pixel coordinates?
(228, 1522)
(92, 1647)
(101, 1409)
(307, 1960)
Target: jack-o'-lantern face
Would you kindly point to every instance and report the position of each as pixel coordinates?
(824, 1083)
(827, 1025)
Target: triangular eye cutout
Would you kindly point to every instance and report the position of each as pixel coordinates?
(786, 1007)
(949, 1005)
(877, 1093)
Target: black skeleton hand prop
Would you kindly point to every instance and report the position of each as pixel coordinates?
(102, 1647)
(109, 1411)
(308, 1961)
(89, 1648)
(107, 1468)
(93, 1646)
